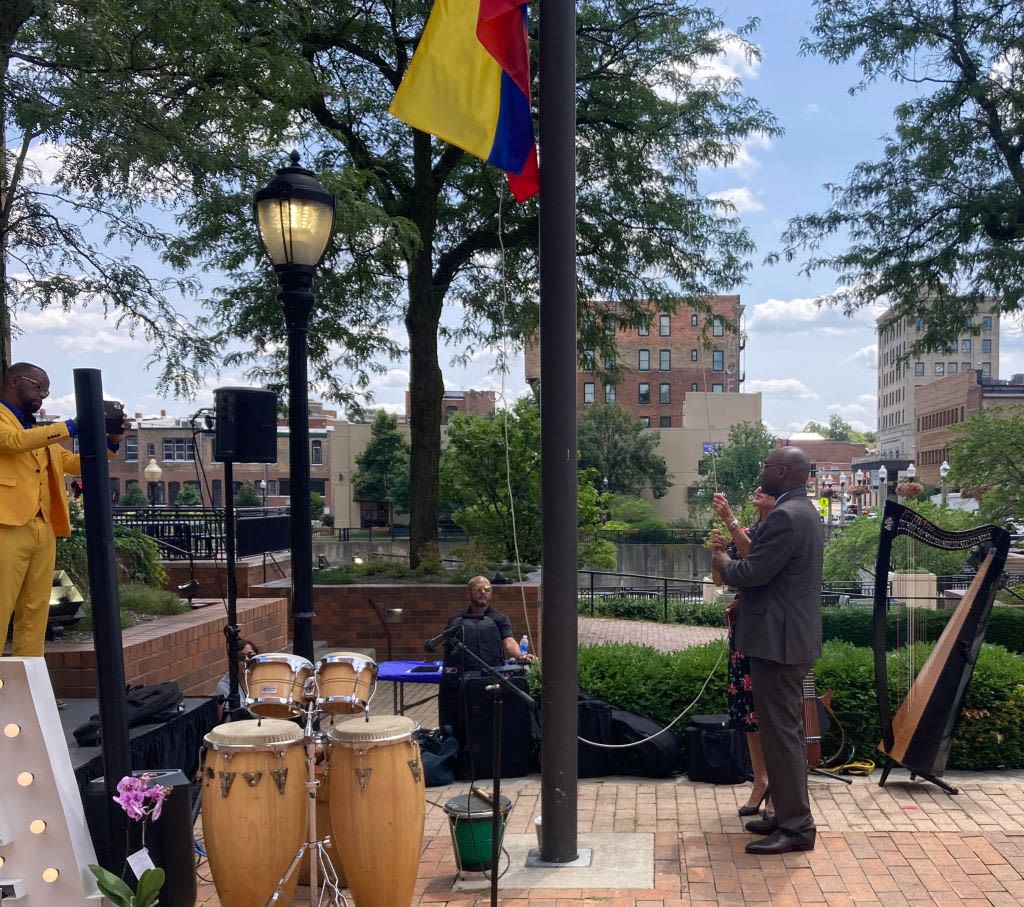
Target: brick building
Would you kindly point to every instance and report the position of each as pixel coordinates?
(471, 402)
(944, 404)
(827, 457)
(660, 362)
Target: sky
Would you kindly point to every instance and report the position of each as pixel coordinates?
(808, 362)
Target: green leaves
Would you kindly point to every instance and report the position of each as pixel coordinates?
(987, 457)
(734, 470)
(115, 890)
(614, 443)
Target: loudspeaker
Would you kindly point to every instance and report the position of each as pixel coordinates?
(476, 735)
(246, 429)
(169, 840)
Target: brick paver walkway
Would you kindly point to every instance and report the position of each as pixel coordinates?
(905, 844)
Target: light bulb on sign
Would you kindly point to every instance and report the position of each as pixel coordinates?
(25, 778)
(51, 874)
(37, 826)
(12, 730)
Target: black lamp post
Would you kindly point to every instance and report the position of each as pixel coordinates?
(295, 215)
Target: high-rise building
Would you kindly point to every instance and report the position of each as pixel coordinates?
(660, 362)
(899, 374)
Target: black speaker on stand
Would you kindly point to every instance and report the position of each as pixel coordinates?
(245, 432)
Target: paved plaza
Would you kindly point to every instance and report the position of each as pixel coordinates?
(907, 843)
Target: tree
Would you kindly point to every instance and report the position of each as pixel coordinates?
(494, 492)
(936, 225)
(382, 469)
(133, 496)
(229, 83)
(189, 496)
(248, 495)
(316, 505)
(614, 443)
(987, 458)
(734, 468)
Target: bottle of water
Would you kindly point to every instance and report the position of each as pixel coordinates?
(524, 645)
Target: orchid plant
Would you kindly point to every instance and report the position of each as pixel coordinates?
(141, 801)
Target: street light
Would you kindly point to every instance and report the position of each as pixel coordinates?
(295, 215)
(911, 471)
(263, 491)
(152, 472)
(943, 472)
(883, 482)
(842, 498)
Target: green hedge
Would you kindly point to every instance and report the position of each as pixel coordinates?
(990, 733)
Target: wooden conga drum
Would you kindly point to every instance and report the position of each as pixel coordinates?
(254, 807)
(377, 807)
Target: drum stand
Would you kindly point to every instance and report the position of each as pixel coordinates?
(318, 857)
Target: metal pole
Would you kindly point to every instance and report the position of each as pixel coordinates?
(99, 546)
(297, 299)
(231, 630)
(557, 106)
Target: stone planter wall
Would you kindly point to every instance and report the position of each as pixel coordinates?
(346, 619)
(212, 575)
(187, 648)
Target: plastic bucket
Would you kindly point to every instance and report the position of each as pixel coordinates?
(469, 820)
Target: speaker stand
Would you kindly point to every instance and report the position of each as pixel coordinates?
(231, 631)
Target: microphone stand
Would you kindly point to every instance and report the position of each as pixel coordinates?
(497, 720)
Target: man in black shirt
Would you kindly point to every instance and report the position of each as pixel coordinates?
(480, 607)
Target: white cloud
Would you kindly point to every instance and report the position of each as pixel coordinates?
(780, 387)
(44, 159)
(744, 160)
(732, 62)
(800, 315)
(395, 378)
(866, 356)
(812, 109)
(740, 197)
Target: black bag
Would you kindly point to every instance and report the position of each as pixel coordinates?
(145, 705)
(716, 752)
(655, 755)
(594, 718)
(438, 750)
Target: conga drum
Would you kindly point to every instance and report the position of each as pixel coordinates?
(377, 807)
(345, 682)
(275, 683)
(254, 807)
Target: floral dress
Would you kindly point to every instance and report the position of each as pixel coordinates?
(742, 714)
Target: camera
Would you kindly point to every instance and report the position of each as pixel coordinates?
(113, 417)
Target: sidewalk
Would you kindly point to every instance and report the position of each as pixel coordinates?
(906, 843)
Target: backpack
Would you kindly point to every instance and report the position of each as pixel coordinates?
(151, 704)
(715, 751)
(655, 755)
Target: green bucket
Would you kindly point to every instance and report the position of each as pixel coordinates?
(469, 819)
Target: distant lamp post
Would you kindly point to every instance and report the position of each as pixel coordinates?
(859, 477)
(883, 482)
(943, 472)
(263, 491)
(152, 472)
(842, 498)
(911, 472)
(295, 215)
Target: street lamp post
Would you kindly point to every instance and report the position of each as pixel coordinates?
(263, 491)
(943, 472)
(295, 215)
(842, 499)
(152, 472)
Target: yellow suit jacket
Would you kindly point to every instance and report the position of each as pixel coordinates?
(19, 482)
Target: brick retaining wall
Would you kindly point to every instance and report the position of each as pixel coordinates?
(212, 575)
(187, 648)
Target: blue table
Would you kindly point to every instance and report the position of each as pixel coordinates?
(402, 672)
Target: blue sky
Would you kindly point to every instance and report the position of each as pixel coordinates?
(807, 362)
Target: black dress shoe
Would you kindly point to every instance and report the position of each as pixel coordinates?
(782, 842)
(765, 826)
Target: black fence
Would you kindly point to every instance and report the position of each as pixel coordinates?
(382, 534)
(197, 533)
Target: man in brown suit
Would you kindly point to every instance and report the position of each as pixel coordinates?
(780, 629)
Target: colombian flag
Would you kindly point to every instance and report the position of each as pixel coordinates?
(469, 84)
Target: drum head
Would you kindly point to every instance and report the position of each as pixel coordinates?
(375, 730)
(265, 732)
(466, 806)
(296, 662)
(347, 657)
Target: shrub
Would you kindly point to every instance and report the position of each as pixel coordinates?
(316, 505)
(600, 553)
(328, 520)
(133, 496)
(188, 497)
(248, 495)
(141, 599)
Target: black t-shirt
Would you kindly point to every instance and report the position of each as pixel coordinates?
(503, 623)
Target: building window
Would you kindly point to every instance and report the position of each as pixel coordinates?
(718, 326)
(951, 368)
(693, 386)
(645, 421)
(609, 327)
(316, 453)
(609, 362)
(665, 393)
(919, 369)
(965, 345)
(131, 449)
(986, 346)
(664, 421)
(664, 360)
(718, 361)
(450, 411)
(588, 392)
(965, 366)
(644, 393)
(986, 369)
(986, 323)
(940, 368)
(717, 389)
(920, 324)
(588, 360)
(172, 492)
(151, 449)
(693, 355)
(609, 393)
(664, 325)
(179, 450)
(693, 321)
(645, 328)
(644, 360)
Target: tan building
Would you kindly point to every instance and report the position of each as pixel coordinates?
(471, 402)
(899, 378)
(709, 417)
(661, 363)
(943, 405)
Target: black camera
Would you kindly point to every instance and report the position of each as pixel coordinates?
(113, 417)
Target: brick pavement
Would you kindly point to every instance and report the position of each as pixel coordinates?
(905, 844)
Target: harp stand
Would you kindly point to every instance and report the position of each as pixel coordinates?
(891, 763)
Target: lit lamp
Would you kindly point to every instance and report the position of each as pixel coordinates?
(263, 491)
(911, 472)
(152, 472)
(943, 472)
(295, 215)
(883, 482)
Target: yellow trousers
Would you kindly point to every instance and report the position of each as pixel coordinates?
(27, 556)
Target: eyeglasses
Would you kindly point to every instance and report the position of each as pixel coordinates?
(41, 389)
(481, 588)
(767, 463)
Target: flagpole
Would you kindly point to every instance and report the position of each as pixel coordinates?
(559, 630)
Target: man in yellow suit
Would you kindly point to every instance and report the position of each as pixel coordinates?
(33, 504)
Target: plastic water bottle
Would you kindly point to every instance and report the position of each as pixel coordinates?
(524, 645)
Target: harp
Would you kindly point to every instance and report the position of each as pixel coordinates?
(920, 734)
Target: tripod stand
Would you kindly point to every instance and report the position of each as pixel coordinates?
(315, 847)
